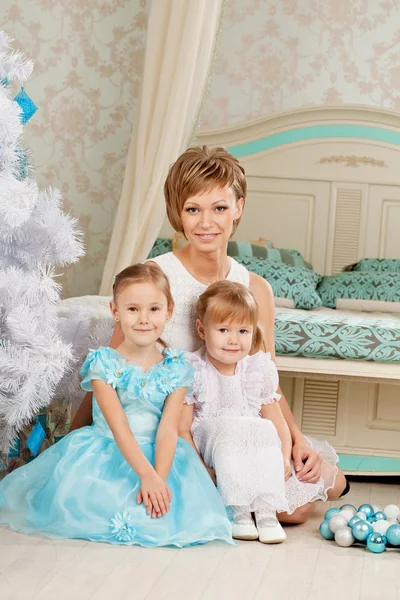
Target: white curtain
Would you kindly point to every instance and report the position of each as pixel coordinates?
(180, 44)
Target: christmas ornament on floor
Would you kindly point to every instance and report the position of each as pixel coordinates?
(376, 527)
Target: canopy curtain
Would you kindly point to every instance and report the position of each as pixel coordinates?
(180, 44)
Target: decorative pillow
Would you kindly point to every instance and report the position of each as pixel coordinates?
(288, 282)
(365, 286)
(259, 248)
(380, 265)
(160, 246)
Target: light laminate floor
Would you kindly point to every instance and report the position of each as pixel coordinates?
(304, 567)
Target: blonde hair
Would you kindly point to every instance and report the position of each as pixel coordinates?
(144, 273)
(230, 302)
(197, 171)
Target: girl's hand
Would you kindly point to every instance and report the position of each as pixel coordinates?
(155, 494)
(287, 467)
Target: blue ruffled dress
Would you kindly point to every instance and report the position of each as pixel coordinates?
(82, 487)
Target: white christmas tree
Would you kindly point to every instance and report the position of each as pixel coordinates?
(35, 238)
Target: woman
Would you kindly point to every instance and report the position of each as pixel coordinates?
(205, 193)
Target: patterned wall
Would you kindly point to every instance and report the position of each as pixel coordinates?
(88, 57)
(273, 56)
(279, 55)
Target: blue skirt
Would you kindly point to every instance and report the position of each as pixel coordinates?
(82, 487)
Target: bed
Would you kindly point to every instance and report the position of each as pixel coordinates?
(326, 182)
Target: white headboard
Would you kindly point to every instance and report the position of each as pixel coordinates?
(323, 181)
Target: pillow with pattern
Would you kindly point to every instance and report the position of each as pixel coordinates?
(258, 248)
(160, 246)
(296, 285)
(380, 265)
(361, 291)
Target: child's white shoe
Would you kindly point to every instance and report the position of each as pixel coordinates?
(243, 527)
(270, 531)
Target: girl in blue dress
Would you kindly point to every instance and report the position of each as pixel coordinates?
(128, 478)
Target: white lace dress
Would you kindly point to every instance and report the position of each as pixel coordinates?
(180, 332)
(243, 448)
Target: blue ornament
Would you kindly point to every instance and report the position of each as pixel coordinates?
(380, 516)
(353, 521)
(28, 107)
(367, 510)
(36, 438)
(372, 519)
(325, 532)
(361, 530)
(376, 542)
(331, 512)
(393, 535)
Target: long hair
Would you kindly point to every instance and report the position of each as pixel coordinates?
(231, 302)
(144, 273)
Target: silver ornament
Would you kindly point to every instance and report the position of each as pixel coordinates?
(380, 526)
(362, 516)
(392, 511)
(347, 514)
(344, 537)
(337, 522)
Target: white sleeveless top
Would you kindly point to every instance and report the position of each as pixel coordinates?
(180, 331)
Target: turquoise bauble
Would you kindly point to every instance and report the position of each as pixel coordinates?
(325, 532)
(330, 512)
(380, 516)
(376, 542)
(353, 521)
(361, 530)
(367, 510)
(393, 535)
(372, 519)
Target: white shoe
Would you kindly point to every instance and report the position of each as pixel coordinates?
(270, 531)
(243, 527)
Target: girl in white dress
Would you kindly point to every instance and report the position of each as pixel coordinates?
(234, 420)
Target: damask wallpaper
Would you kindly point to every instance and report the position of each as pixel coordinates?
(272, 56)
(279, 55)
(88, 57)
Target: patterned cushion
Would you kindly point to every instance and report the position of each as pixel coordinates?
(367, 285)
(381, 265)
(160, 246)
(258, 248)
(293, 283)
(329, 333)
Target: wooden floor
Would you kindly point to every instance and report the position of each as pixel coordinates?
(303, 567)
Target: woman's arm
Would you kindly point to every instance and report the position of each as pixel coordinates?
(83, 416)
(153, 490)
(307, 462)
(273, 413)
(185, 426)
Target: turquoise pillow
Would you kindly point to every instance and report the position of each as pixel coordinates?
(160, 246)
(282, 255)
(352, 285)
(293, 283)
(380, 265)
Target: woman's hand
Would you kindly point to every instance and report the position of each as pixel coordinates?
(287, 467)
(155, 495)
(307, 462)
(212, 474)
